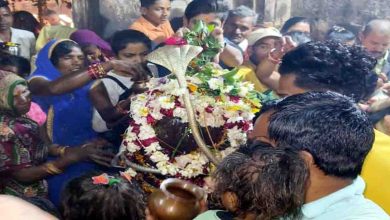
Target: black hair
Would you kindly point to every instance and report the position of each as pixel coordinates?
(82, 199)
(21, 63)
(197, 7)
(269, 182)
(339, 33)
(26, 21)
(333, 66)
(293, 21)
(299, 37)
(4, 4)
(120, 40)
(62, 49)
(328, 125)
(148, 3)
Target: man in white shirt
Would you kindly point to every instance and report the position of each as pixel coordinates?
(334, 137)
(25, 39)
(239, 24)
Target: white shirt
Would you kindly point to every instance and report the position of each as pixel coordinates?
(114, 91)
(244, 45)
(26, 39)
(347, 203)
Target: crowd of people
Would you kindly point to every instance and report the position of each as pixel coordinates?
(319, 150)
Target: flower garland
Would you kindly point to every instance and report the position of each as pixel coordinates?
(232, 113)
(220, 99)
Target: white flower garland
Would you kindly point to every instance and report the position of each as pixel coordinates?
(234, 114)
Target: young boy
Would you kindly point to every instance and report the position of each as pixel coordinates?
(110, 95)
(154, 21)
(214, 12)
(259, 182)
(261, 42)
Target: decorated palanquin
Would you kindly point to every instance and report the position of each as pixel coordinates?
(188, 121)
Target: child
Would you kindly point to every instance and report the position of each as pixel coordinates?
(154, 21)
(110, 96)
(259, 183)
(102, 197)
(214, 12)
(94, 47)
(261, 42)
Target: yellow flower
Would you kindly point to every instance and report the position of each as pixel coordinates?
(192, 87)
(255, 110)
(144, 112)
(234, 108)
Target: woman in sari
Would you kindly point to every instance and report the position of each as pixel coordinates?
(60, 85)
(23, 154)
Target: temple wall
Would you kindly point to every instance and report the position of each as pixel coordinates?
(107, 16)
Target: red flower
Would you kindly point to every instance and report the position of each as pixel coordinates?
(136, 129)
(177, 102)
(209, 109)
(150, 119)
(176, 41)
(234, 99)
(167, 112)
(246, 126)
(149, 141)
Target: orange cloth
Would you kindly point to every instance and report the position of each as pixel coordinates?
(157, 34)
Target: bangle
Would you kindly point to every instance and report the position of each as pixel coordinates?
(52, 169)
(96, 71)
(62, 151)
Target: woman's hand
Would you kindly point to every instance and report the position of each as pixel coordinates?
(93, 151)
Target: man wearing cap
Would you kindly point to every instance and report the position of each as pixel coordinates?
(261, 42)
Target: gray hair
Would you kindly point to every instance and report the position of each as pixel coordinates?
(378, 25)
(243, 11)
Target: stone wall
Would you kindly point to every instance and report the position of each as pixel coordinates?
(107, 16)
(342, 11)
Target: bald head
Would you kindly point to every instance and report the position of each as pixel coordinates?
(375, 37)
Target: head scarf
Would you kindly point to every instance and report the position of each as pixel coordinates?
(84, 37)
(66, 111)
(8, 82)
(44, 66)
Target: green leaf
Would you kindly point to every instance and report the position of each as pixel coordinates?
(210, 28)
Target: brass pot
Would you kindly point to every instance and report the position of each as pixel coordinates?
(176, 200)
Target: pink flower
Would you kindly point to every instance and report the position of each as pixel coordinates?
(176, 41)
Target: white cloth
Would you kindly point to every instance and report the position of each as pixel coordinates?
(114, 91)
(347, 203)
(26, 39)
(244, 45)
